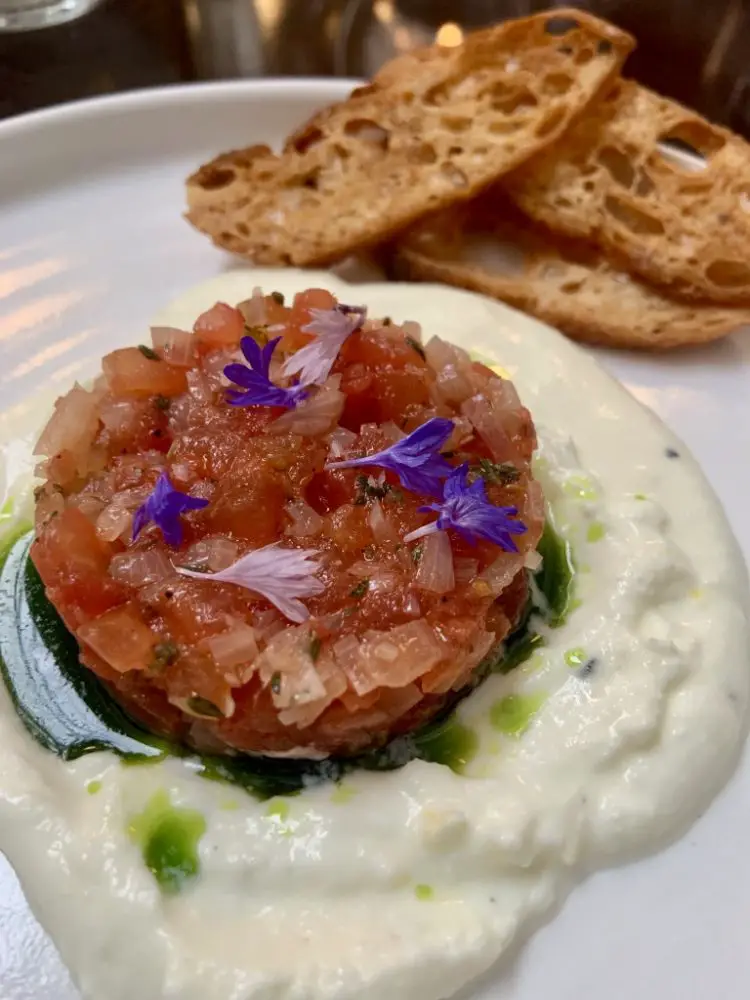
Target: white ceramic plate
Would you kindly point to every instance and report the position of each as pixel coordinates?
(92, 243)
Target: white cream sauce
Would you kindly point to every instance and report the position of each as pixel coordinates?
(409, 884)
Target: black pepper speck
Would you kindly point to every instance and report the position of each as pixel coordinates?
(672, 453)
(588, 668)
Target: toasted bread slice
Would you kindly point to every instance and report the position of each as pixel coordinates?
(608, 181)
(489, 246)
(408, 142)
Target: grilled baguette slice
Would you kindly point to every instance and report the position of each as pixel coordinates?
(433, 128)
(488, 246)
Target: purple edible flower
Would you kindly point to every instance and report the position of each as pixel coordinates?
(415, 459)
(332, 327)
(164, 508)
(280, 575)
(258, 388)
(466, 508)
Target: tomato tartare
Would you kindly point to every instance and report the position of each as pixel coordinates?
(291, 530)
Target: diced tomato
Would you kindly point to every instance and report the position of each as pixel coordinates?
(130, 372)
(219, 326)
(121, 638)
(73, 563)
(398, 389)
(329, 490)
(356, 379)
(378, 348)
(250, 510)
(349, 529)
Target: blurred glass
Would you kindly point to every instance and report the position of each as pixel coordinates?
(26, 15)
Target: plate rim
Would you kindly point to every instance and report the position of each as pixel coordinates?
(16, 126)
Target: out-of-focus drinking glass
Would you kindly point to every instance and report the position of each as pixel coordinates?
(25, 15)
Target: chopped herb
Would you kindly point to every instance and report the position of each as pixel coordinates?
(276, 682)
(368, 490)
(195, 568)
(39, 492)
(162, 402)
(502, 473)
(278, 298)
(416, 346)
(368, 552)
(165, 654)
(395, 494)
(315, 645)
(417, 552)
(387, 321)
(148, 352)
(204, 707)
(361, 589)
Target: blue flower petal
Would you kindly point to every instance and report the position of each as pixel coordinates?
(164, 507)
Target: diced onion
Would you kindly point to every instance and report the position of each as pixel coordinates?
(73, 425)
(199, 386)
(465, 569)
(435, 572)
(489, 426)
(532, 561)
(413, 330)
(254, 309)
(213, 553)
(383, 529)
(340, 441)
(176, 346)
(305, 521)
(314, 416)
(139, 568)
(499, 574)
(113, 522)
(392, 432)
(233, 649)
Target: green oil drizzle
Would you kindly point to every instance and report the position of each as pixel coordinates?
(596, 532)
(278, 809)
(514, 714)
(168, 837)
(450, 743)
(94, 787)
(575, 658)
(424, 893)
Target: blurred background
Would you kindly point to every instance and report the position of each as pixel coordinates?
(694, 51)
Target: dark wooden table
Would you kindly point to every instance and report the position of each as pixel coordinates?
(694, 51)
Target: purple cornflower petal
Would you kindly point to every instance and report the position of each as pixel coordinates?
(415, 459)
(331, 327)
(164, 508)
(280, 575)
(255, 380)
(466, 509)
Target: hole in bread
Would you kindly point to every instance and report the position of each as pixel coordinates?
(367, 130)
(589, 185)
(214, 178)
(645, 185)
(365, 90)
(423, 153)
(510, 101)
(565, 50)
(584, 55)
(311, 181)
(617, 165)
(632, 218)
(456, 123)
(571, 287)
(307, 139)
(243, 229)
(341, 151)
(455, 150)
(557, 83)
(557, 26)
(604, 47)
(550, 123)
(505, 126)
(457, 177)
(729, 273)
(696, 138)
